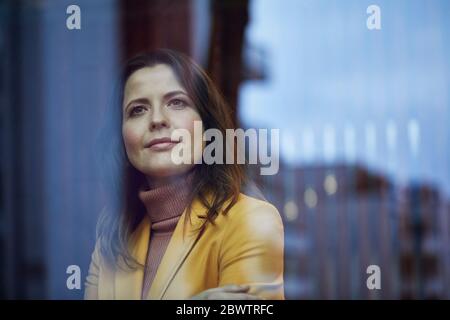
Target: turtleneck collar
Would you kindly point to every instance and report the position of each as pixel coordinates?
(166, 203)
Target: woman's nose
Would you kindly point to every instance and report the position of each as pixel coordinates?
(158, 120)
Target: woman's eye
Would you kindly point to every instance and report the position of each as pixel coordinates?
(137, 110)
(177, 103)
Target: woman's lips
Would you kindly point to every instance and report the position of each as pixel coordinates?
(162, 146)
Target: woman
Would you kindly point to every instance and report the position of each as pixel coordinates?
(179, 231)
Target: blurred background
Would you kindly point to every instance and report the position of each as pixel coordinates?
(363, 115)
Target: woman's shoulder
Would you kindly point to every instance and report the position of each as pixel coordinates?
(253, 211)
(245, 201)
(251, 220)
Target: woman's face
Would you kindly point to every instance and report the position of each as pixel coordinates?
(154, 105)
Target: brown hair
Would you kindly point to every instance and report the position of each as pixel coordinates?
(124, 210)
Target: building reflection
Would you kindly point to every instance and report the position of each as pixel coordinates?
(341, 219)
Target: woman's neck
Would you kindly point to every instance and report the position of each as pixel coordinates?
(157, 182)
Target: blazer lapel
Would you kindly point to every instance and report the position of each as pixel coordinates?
(128, 283)
(179, 247)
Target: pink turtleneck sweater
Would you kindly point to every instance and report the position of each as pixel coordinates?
(164, 206)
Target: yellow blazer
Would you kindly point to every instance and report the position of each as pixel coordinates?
(243, 247)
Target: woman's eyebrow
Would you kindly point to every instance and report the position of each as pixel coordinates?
(170, 94)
